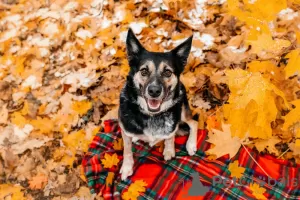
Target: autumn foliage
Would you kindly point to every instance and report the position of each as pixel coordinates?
(63, 64)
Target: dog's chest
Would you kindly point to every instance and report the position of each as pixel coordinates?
(159, 126)
(157, 129)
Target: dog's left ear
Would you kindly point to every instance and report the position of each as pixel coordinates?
(182, 51)
(133, 47)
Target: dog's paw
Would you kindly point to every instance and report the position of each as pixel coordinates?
(169, 153)
(191, 147)
(126, 169)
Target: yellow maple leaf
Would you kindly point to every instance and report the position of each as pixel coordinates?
(265, 67)
(76, 140)
(81, 107)
(109, 178)
(268, 144)
(18, 119)
(235, 170)
(266, 47)
(293, 66)
(257, 191)
(257, 16)
(14, 191)
(223, 142)
(293, 116)
(118, 144)
(251, 105)
(108, 161)
(44, 125)
(38, 182)
(134, 190)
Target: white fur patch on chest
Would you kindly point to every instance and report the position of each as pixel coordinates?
(156, 131)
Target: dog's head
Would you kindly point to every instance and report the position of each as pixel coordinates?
(155, 75)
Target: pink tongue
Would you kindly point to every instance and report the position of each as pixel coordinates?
(153, 103)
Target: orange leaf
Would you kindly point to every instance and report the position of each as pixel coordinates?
(109, 178)
(108, 161)
(81, 106)
(38, 182)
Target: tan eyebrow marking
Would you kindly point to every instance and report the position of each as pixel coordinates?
(148, 64)
(163, 65)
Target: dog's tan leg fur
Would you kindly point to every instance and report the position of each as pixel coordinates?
(127, 166)
(191, 144)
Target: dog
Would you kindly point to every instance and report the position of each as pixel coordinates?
(153, 101)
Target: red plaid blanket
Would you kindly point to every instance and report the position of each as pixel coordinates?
(172, 179)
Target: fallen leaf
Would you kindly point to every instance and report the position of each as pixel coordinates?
(81, 107)
(223, 142)
(109, 179)
(134, 190)
(3, 114)
(251, 105)
(118, 144)
(257, 191)
(293, 116)
(293, 66)
(44, 125)
(108, 161)
(268, 144)
(38, 182)
(235, 170)
(13, 191)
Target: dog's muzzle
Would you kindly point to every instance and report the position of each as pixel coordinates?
(154, 97)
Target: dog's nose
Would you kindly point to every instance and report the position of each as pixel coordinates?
(154, 90)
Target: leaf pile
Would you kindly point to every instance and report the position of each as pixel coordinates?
(63, 64)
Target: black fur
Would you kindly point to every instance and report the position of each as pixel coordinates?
(130, 113)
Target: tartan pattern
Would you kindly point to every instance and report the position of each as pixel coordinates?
(171, 179)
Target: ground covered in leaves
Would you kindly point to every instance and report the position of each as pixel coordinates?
(63, 63)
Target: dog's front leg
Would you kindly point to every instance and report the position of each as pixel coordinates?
(127, 166)
(191, 144)
(169, 150)
(186, 116)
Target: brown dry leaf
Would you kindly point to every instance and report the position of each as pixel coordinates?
(268, 144)
(38, 182)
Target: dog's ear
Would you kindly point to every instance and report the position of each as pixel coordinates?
(133, 46)
(182, 51)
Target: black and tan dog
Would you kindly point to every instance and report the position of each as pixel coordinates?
(153, 102)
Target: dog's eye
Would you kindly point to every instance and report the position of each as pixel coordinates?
(167, 73)
(144, 72)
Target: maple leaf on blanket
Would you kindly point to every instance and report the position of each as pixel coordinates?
(257, 191)
(224, 142)
(251, 105)
(110, 160)
(236, 170)
(109, 178)
(134, 190)
(118, 144)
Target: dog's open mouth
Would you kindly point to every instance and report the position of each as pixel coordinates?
(153, 105)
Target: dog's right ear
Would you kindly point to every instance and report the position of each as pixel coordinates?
(133, 46)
